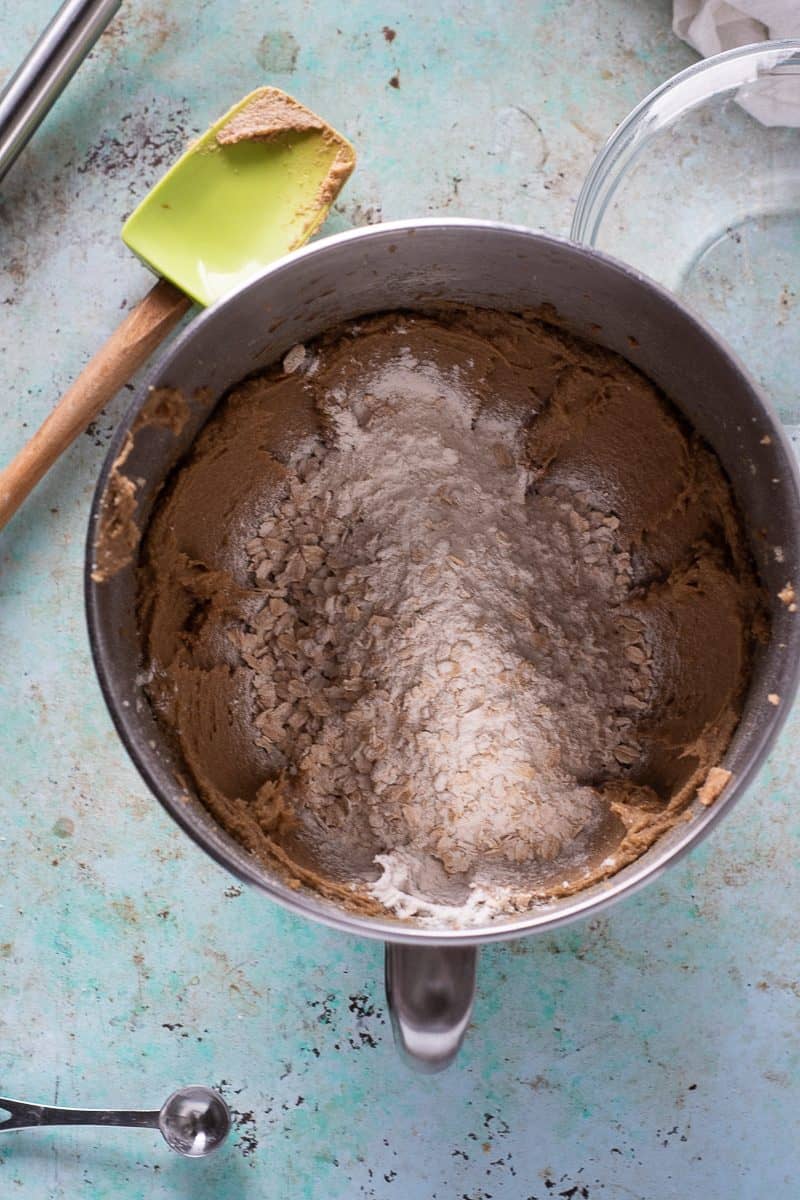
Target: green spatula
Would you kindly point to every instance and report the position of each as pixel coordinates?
(255, 186)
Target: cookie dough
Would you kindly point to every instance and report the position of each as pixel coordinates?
(448, 614)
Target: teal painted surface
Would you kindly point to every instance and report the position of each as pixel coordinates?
(651, 1053)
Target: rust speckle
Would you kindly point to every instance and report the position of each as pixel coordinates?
(159, 29)
(389, 34)
(147, 141)
(278, 52)
(126, 909)
(395, 80)
(539, 1083)
(781, 984)
(245, 1125)
(149, 26)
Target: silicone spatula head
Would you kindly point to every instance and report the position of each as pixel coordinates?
(255, 186)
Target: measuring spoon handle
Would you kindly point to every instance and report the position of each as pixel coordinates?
(33, 1116)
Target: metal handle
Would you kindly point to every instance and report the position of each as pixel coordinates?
(52, 62)
(32, 1116)
(430, 990)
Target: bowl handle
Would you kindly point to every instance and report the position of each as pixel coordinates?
(430, 990)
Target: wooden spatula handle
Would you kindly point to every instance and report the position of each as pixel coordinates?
(128, 347)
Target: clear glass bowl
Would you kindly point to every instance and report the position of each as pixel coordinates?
(700, 189)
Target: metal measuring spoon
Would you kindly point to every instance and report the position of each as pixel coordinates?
(194, 1121)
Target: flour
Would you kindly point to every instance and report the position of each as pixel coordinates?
(443, 662)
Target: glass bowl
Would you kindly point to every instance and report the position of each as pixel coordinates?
(700, 189)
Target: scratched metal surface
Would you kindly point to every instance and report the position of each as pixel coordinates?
(650, 1053)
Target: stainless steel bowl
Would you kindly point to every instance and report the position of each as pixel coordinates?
(430, 973)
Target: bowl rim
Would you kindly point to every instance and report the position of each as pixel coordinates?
(660, 106)
(632, 877)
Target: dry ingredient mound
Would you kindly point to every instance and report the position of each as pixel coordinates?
(440, 653)
(480, 635)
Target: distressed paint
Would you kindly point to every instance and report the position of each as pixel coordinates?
(651, 1053)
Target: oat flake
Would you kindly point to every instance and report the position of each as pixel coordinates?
(444, 651)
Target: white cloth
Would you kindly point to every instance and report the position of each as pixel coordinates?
(711, 26)
(714, 25)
